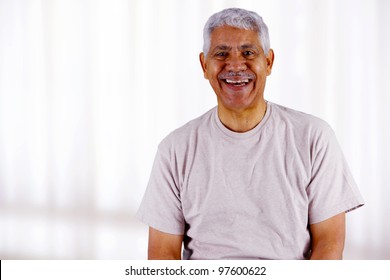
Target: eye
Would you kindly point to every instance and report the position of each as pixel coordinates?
(221, 54)
(248, 53)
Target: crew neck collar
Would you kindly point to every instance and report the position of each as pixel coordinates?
(242, 135)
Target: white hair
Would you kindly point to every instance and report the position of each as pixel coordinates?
(239, 18)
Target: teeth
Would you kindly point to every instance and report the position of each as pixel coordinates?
(237, 82)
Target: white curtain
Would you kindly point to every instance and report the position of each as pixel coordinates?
(88, 88)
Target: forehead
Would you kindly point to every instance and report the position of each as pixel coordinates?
(232, 36)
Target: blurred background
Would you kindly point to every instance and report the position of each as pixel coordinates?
(88, 88)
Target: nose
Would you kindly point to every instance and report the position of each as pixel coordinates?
(236, 63)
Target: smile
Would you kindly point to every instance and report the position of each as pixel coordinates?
(236, 79)
(237, 83)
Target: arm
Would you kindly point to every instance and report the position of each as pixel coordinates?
(328, 238)
(164, 246)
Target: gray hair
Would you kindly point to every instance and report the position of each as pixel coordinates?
(239, 18)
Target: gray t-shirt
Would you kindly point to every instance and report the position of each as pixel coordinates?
(248, 195)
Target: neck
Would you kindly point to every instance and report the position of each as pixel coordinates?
(242, 121)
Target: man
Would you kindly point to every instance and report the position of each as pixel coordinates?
(249, 179)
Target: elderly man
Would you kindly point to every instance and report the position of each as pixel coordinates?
(249, 179)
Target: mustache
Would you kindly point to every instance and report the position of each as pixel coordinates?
(232, 74)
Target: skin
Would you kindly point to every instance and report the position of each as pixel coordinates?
(240, 108)
(328, 238)
(164, 246)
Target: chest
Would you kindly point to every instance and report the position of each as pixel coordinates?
(248, 178)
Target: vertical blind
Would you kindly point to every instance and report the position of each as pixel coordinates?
(88, 88)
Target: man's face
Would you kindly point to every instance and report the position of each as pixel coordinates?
(236, 68)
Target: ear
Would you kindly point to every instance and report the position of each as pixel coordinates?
(202, 60)
(270, 61)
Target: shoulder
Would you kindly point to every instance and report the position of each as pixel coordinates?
(190, 131)
(299, 121)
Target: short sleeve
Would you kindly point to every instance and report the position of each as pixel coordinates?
(332, 189)
(161, 205)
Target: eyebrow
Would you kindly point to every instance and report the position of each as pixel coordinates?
(227, 48)
(248, 46)
(222, 47)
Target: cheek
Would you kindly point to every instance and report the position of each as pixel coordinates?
(213, 69)
(261, 72)
(212, 76)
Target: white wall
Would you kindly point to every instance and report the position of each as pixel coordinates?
(88, 89)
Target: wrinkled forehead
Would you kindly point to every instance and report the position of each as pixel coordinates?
(233, 36)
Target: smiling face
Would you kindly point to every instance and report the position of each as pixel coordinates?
(236, 68)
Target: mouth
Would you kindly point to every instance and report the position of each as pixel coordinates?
(236, 80)
(237, 83)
